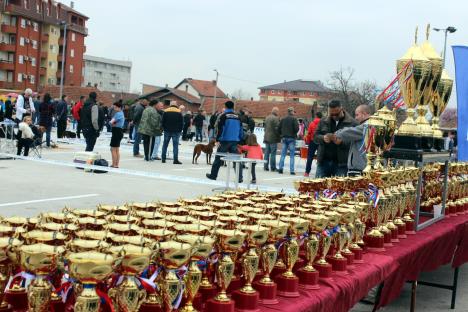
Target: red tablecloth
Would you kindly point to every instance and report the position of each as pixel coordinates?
(425, 251)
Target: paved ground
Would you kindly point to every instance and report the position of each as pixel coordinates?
(30, 187)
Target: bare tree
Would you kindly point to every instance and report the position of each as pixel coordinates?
(448, 119)
(240, 94)
(365, 92)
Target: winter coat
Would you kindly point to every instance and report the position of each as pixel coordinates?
(311, 130)
(46, 112)
(150, 123)
(172, 120)
(271, 135)
(354, 136)
(288, 127)
(253, 152)
(229, 127)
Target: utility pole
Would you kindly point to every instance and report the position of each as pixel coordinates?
(447, 30)
(64, 51)
(215, 89)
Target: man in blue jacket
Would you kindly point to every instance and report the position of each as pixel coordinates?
(229, 134)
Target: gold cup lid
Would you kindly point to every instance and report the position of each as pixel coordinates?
(193, 228)
(98, 258)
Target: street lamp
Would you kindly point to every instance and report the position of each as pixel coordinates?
(215, 89)
(64, 51)
(447, 30)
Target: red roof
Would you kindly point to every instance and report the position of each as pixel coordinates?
(204, 87)
(261, 109)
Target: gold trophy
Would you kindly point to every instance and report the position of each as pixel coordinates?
(88, 268)
(438, 104)
(373, 140)
(415, 70)
(41, 260)
(127, 295)
(8, 252)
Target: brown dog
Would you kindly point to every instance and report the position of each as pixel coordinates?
(205, 148)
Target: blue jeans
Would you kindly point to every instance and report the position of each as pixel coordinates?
(198, 134)
(329, 168)
(157, 143)
(310, 156)
(288, 144)
(47, 133)
(270, 155)
(137, 140)
(175, 144)
(224, 147)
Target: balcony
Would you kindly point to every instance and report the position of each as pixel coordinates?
(9, 29)
(60, 42)
(80, 29)
(10, 85)
(42, 71)
(44, 54)
(45, 38)
(6, 47)
(6, 65)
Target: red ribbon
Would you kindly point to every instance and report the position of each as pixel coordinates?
(104, 296)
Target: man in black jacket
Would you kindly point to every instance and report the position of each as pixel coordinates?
(89, 117)
(62, 114)
(211, 126)
(198, 122)
(172, 122)
(288, 128)
(137, 112)
(332, 159)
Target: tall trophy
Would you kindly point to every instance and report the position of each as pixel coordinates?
(228, 244)
(325, 241)
(40, 260)
(8, 254)
(288, 282)
(308, 275)
(127, 294)
(247, 298)
(438, 104)
(340, 235)
(266, 287)
(89, 268)
(414, 71)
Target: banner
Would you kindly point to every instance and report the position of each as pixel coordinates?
(460, 54)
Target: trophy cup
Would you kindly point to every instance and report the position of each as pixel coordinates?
(348, 217)
(266, 287)
(338, 261)
(41, 260)
(126, 295)
(308, 275)
(359, 230)
(288, 282)
(322, 266)
(247, 298)
(414, 71)
(438, 104)
(8, 248)
(227, 242)
(89, 268)
(373, 140)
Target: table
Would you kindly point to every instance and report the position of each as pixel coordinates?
(426, 250)
(230, 159)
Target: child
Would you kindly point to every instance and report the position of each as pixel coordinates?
(117, 123)
(254, 151)
(25, 136)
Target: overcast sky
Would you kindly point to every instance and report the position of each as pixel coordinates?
(260, 42)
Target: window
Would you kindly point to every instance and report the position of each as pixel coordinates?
(51, 81)
(73, 36)
(71, 68)
(38, 8)
(72, 53)
(33, 61)
(36, 26)
(20, 77)
(34, 44)
(20, 59)
(273, 92)
(48, 10)
(26, 4)
(22, 41)
(51, 64)
(32, 79)
(23, 23)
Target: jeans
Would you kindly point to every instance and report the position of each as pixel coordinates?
(136, 140)
(148, 145)
(78, 129)
(47, 133)
(175, 144)
(24, 143)
(224, 147)
(288, 144)
(130, 132)
(61, 127)
(91, 136)
(198, 134)
(252, 171)
(329, 168)
(310, 156)
(270, 155)
(211, 134)
(157, 143)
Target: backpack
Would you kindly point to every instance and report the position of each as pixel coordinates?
(100, 162)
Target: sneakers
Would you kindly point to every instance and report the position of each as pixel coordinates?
(280, 171)
(176, 162)
(210, 177)
(138, 155)
(293, 173)
(266, 169)
(273, 169)
(163, 161)
(253, 182)
(306, 174)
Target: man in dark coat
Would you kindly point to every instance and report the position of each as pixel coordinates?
(172, 122)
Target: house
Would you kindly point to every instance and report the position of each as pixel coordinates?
(202, 89)
(166, 95)
(74, 93)
(304, 91)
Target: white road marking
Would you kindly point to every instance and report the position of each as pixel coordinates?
(280, 178)
(192, 168)
(47, 199)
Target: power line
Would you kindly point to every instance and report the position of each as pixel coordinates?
(240, 79)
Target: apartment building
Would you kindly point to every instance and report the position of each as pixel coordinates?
(304, 91)
(32, 39)
(107, 74)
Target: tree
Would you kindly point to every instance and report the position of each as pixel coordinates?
(240, 94)
(448, 119)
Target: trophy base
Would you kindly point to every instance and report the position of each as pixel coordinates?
(299, 264)
(308, 279)
(56, 306)
(439, 144)
(6, 309)
(387, 239)
(357, 254)
(198, 302)
(410, 227)
(427, 143)
(213, 305)
(349, 257)
(267, 293)
(149, 307)
(407, 142)
(288, 286)
(235, 284)
(325, 270)
(401, 230)
(338, 265)
(465, 207)
(374, 243)
(460, 208)
(395, 235)
(246, 302)
(17, 299)
(207, 292)
(277, 270)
